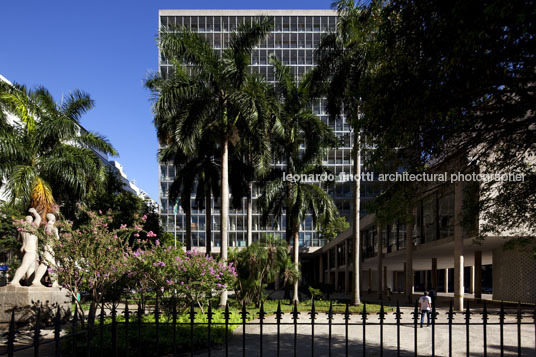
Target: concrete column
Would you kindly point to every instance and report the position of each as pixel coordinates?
(384, 278)
(380, 259)
(446, 280)
(336, 268)
(459, 236)
(472, 277)
(434, 274)
(478, 274)
(408, 265)
(328, 276)
(321, 267)
(346, 268)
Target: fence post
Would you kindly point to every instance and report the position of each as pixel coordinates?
(381, 317)
(226, 313)
(415, 314)
(209, 326)
(484, 326)
(101, 329)
(157, 325)
(127, 321)
(73, 332)
(57, 329)
(501, 327)
(450, 317)
(37, 332)
(295, 314)
(174, 323)
(192, 319)
(398, 316)
(261, 320)
(278, 315)
(140, 345)
(114, 329)
(11, 335)
(518, 320)
(364, 318)
(330, 319)
(434, 316)
(346, 318)
(244, 315)
(467, 319)
(313, 314)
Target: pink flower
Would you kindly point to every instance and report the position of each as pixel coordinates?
(156, 242)
(123, 226)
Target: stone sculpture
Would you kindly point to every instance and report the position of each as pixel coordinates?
(48, 255)
(30, 250)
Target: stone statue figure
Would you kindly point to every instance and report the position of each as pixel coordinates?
(29, 248)
(48, 256)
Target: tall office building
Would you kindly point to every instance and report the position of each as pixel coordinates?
(295, 36)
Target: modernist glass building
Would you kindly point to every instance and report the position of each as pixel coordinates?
(293, 40)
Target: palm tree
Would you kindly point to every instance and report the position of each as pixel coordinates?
(197, 169)
(207, 91)
(49, 155)
(303, 142)
(341, 63)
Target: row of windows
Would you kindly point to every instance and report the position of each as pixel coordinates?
(236, 222)
(239, 239)
(230, 23)
(434, 220)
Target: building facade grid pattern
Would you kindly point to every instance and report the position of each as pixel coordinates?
(293, 41)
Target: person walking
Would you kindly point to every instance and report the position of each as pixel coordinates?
(425, 303)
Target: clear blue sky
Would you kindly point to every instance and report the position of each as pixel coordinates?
(106, 48)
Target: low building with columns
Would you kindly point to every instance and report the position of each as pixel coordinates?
(441, 254)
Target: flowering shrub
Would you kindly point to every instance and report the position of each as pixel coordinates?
(192, 275)
(199, 276)
(92, 258)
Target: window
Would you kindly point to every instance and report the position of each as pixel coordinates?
(446, 214)
(429, 218)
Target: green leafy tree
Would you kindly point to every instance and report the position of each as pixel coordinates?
(331, 229)
(207, 91)
(48, 156)
(299, 128)
(459, 80)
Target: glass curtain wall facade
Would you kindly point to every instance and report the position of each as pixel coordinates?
(295, 36)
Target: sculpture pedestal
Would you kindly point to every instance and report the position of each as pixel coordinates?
(25, 301)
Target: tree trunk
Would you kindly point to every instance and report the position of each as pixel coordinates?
(91, 315)
(356, 296)
(188, 238)
(224, 211)
(208, 222)
(250, 213)
(296, 236)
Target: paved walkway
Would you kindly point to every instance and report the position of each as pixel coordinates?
(407, 333)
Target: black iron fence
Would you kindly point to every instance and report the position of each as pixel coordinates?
(505, 330)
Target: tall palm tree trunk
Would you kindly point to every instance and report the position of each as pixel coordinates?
(208, 222)
(250, 213)
(356, 297)
(296, 236)
(224, 212)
